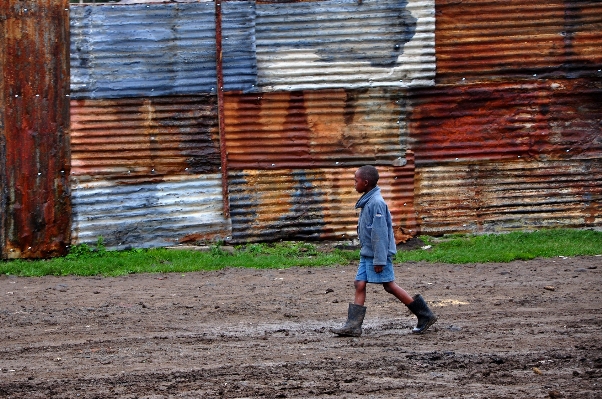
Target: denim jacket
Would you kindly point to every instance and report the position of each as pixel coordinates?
(375, 227)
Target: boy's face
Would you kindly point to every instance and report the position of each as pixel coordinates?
(361, 184)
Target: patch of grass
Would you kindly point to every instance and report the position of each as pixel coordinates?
(507, 247)
(85, 260)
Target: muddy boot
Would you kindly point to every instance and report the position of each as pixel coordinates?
(426, 318)
(353, 326)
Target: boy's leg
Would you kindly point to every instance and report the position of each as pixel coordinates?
(392, 288)
(426, 317)
(355, 313)
(416, 304)
(360, 292)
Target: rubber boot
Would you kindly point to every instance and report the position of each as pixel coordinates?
(353, 326)
(426, 318)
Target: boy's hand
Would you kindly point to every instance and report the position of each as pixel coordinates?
(378, 268)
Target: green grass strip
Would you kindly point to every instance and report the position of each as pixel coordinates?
(84, 260)
(507, 247)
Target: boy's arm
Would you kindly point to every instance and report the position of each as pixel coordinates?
(380, 237)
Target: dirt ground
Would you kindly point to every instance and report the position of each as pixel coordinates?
(526, 329)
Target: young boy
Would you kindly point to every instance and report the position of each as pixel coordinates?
(375, 231)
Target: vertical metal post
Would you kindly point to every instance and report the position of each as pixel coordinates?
(220, 106)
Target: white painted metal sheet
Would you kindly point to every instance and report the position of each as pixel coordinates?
(345, 44)
(141, 213)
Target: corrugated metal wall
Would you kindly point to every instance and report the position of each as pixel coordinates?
(511, 135)
(483, 116)
(289, 141)
(145, 137)
(315, 128)
(517, 39)
(34, 128)
(146, 172)
(292, 148)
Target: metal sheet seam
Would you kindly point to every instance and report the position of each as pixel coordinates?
(220, 105)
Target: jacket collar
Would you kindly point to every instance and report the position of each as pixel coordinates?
(367, 197)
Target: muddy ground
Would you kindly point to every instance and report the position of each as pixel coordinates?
(526, 329)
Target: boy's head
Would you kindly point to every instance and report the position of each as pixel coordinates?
(366, 178)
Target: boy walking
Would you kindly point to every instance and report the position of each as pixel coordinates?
(375, 231)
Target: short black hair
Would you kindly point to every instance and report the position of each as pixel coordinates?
(369, 173)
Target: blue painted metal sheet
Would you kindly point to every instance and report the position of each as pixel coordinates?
(345, 44)
(238, 46)
(141, 213)
(158, 49)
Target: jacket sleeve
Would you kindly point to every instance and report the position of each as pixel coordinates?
(380, 236)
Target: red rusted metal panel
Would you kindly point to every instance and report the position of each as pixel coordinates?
(542, 120)
(145, 138)
(34, 126)
(284, 204)
(482, 40)
(305, 129)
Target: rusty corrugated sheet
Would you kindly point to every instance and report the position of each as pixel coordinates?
(144, 137)
(145, 171)
(145, 213)
(143, 50)
(551, 119)
(517, 39)
(285, 204)
(323, 128)
(345, 44)
(491, 197)
(34, 128)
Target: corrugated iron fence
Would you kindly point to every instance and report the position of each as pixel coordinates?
(245, 120)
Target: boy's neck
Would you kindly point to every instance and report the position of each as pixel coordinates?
(368, 189)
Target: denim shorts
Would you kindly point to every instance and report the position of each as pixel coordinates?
(365, 271)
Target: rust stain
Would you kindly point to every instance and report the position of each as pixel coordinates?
(35, 128)
(556, 119)
(145, 137)
(200, 238)
(508, 195)
(521, 38)
(325, 128)
(220, 106)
